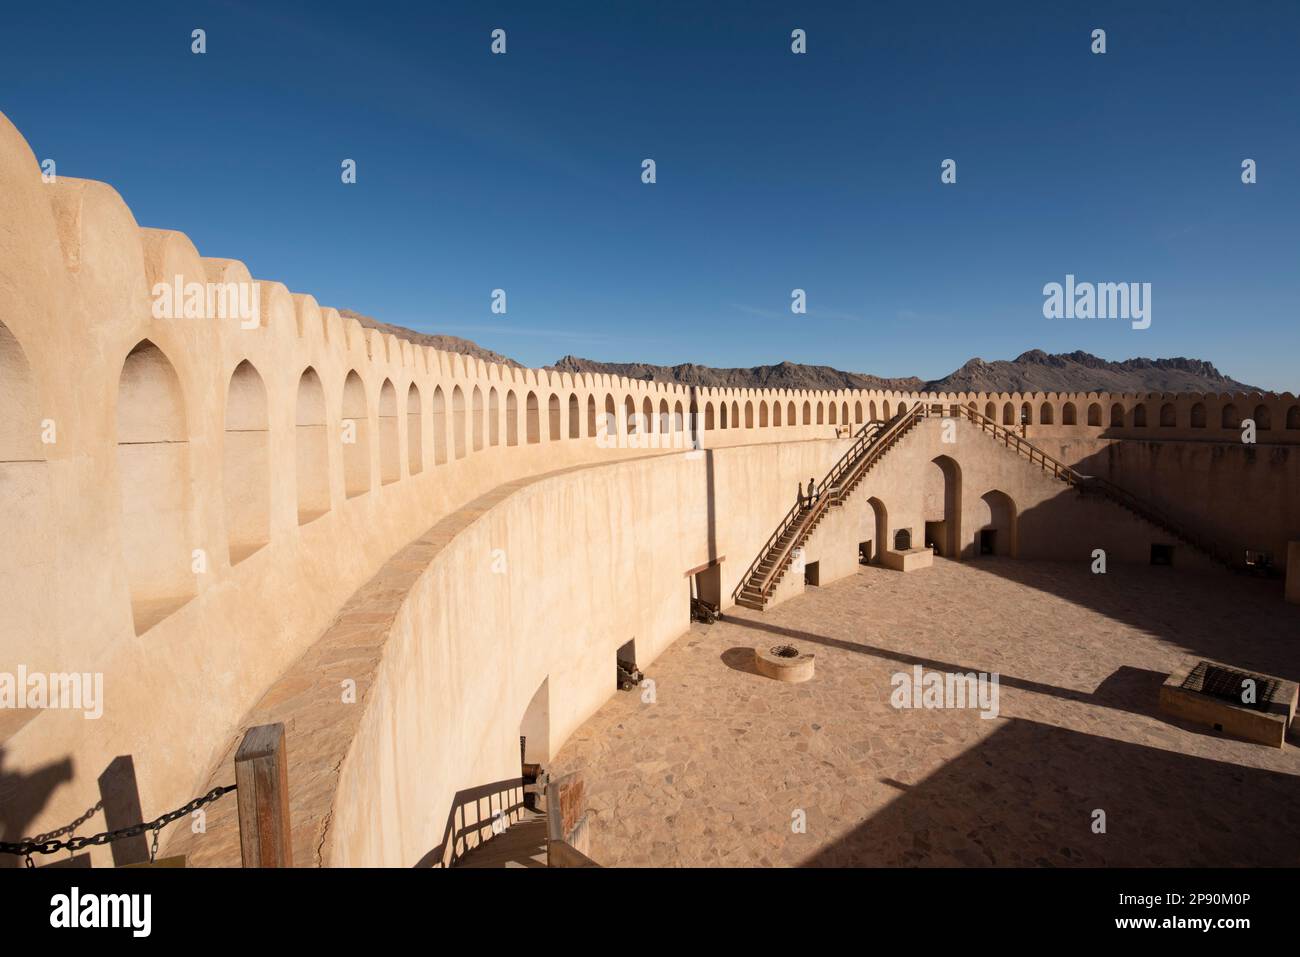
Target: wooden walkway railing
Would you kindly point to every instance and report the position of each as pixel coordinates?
(1094, 484)
(873, 442)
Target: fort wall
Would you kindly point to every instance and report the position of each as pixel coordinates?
(188, 502)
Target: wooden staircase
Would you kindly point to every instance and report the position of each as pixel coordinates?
(1094, 485)
(872, 443)
(776, 556)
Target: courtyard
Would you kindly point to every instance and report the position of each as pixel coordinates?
(723, 767)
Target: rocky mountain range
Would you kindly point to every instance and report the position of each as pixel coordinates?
(1032, 371)
(465, 347)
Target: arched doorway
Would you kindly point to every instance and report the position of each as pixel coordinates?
(997, 535)
(880, 543)
(941, 506)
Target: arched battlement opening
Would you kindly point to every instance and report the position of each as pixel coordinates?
(439, 427)
(390, 455)
(311, 448)
(494, 417)
(533, 431)
(24, 497)
(575, 417)
(458, 421)
(246, 464)
(610, 425)
(356, 437)
(20, 418)
(414, 431)
(153, 464)
(512, 418)
(554, 425)
(476, 418)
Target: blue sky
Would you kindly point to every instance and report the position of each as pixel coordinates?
(775, 171)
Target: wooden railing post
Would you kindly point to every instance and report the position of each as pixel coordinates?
(262, 776)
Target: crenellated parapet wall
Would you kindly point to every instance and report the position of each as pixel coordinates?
(187, 500)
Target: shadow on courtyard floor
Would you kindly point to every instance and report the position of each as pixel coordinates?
(1027, 795)
(1128, 689)
(1215, 614)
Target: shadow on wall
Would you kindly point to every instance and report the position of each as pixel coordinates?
(1237, 495)
(24, 796)
(1027, 795)
(469, 822)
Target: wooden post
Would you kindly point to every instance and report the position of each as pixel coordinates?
(262, 774)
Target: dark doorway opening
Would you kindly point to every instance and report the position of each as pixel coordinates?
(812, 573)
(1162, 554)
(864, 552)
(535, 740)
(902, 539)
(988, 541)
(934, 537)
(706, 594)
(628, 676)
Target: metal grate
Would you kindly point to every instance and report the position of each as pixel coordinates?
(1226, 684)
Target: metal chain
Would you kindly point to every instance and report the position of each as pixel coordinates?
(69, 828)
(27, 848)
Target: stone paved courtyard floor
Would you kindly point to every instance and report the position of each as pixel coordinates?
(719, 768)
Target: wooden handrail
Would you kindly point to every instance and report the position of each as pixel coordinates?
(872, 441)
(876, 438)
(1117, 493)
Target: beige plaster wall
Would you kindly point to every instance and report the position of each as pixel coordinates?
(183, 516)
(593, 558)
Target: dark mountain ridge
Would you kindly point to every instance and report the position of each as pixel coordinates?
(1032, 371)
